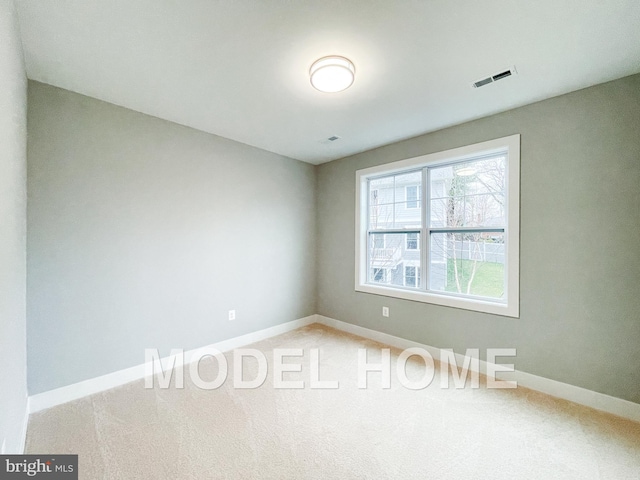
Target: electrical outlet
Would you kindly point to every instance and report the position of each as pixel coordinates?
(232, 315)
(385, 311)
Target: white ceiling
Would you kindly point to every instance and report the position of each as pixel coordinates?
(239, 68)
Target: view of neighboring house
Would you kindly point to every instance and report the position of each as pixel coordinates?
(465, 215)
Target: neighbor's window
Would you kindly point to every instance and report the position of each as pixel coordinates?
(379, 275)
(412, 241)
(453, 215)
(412, 193)
(412, 276)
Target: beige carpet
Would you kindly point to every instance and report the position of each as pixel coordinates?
(348, 433)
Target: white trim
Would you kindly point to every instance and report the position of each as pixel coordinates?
(22, 437)
(68, 393)
(465, 303)
(25, 425)
(572, 393)
(582, 396)
(508, 308)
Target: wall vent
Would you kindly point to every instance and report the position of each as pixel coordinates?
(495, 78)
(330, 140)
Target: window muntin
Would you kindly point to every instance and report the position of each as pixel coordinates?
(465, 217)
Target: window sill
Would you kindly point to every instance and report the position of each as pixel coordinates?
(483, 306)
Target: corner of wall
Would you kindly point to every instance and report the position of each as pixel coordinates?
(13, 108)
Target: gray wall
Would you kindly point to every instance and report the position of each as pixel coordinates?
(580, 247)
(13, 211)
(143, 233)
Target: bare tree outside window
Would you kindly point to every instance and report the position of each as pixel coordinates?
(471, 198)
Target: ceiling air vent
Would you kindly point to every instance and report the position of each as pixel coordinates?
(330, 140)
(483, 82)
(495, 78)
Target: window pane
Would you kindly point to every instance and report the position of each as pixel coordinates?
(469, 194)
(378, 240)
(408, 211)
(381, 200)
(484, 210)
(469, 263)
(381, 217)
(389, 252)
(394, 201)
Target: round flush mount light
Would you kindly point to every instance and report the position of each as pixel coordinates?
(332, 74)
(466, 172)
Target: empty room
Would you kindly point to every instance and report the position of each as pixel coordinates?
(320, 239)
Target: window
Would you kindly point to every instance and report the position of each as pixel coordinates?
(456, 213)
(412, 276)
(379, 275)
(412, 194)
(412, 241)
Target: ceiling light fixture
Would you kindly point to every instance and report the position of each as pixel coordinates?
(332, 74)
(466, 171)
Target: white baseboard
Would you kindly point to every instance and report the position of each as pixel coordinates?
(582, 396)
(68, 393)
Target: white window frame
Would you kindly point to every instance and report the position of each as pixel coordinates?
(508, 306)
